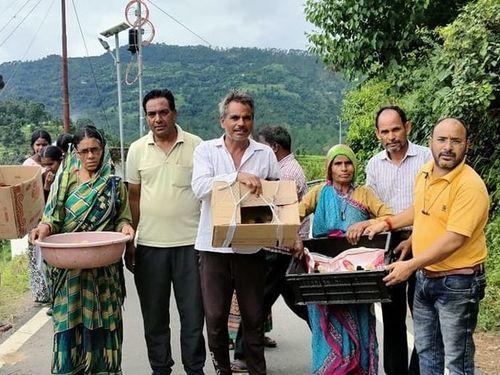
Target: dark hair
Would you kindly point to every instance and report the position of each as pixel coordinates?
(399, 110)
(88, 132)
(52, 152)
(458, 119)
(63, 141)
(276, 134)
(164, 93)
(40, 133)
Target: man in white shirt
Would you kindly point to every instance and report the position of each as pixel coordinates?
(278, 258)
(391, 173)
(230, 158)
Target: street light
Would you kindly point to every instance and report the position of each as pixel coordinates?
(115, 30)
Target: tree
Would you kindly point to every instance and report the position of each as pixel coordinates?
(364, 36)
(457, 76)
(18, 118)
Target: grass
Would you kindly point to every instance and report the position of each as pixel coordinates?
(313, 165)
(13, 282)
(489, 313)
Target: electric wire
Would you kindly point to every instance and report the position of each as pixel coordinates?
(128, 71)
(6, 9)
(20, 23)
(180, 23)
(91, 67)
(14, 16)
(16, 66)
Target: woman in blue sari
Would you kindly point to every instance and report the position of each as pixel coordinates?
(85, 196)
(343, 336)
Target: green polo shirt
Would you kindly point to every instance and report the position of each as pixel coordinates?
(169, 211)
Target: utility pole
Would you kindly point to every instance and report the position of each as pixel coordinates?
(139, 65)
(139, 24)
(66, 119)
(120, 110)
(107, 33)
(340, 130)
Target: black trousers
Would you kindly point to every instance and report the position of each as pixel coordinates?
(275, 286)
(394, 317)
(220, 275)
(155, 270)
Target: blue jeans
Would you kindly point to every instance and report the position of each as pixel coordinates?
(445, 315)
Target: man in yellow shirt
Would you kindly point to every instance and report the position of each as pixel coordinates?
(449, 213)
(165, 214)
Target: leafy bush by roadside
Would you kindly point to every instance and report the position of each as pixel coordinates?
(489, 314)
(313, 165)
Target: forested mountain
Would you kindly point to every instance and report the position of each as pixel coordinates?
(290, 88)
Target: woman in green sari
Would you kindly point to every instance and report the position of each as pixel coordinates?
(87, 303)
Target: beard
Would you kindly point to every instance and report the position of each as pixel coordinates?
(395, 146)
(455, 159)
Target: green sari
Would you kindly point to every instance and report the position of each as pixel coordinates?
(87, 316)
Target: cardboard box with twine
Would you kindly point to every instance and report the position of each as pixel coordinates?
(242, 219)
(21, 200)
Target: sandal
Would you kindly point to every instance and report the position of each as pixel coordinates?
(239, 366)
(231, 344)
(5, 327)
(269, 342)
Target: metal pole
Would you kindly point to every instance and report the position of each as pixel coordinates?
(120, 111)
(139, 66)
(66, 119)
(340, 131)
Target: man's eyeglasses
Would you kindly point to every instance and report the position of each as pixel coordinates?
(88, 151)
(162, 113)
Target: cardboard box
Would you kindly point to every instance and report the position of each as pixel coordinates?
(21, 200)
(253, 218)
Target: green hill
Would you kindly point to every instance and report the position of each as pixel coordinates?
(290, 88)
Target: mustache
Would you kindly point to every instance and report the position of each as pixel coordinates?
(448, 154)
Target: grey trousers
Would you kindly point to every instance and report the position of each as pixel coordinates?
(155, 270)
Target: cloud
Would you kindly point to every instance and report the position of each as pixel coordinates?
(224, 23)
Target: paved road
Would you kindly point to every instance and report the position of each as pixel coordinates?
(291, 357)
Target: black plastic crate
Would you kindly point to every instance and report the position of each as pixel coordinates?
(340, 287)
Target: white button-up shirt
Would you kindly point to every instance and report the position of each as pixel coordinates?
(394, 183)
(213, 162)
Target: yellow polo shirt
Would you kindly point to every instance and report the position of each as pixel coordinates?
(169, 211)
(457, 202)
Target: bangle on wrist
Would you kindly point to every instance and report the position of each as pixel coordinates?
(388, 221)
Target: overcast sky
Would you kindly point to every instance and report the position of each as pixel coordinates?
(223, 23)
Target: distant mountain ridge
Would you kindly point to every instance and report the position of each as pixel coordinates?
(290, 88)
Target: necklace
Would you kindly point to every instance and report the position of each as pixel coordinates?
(343, 201)
(343, 210)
